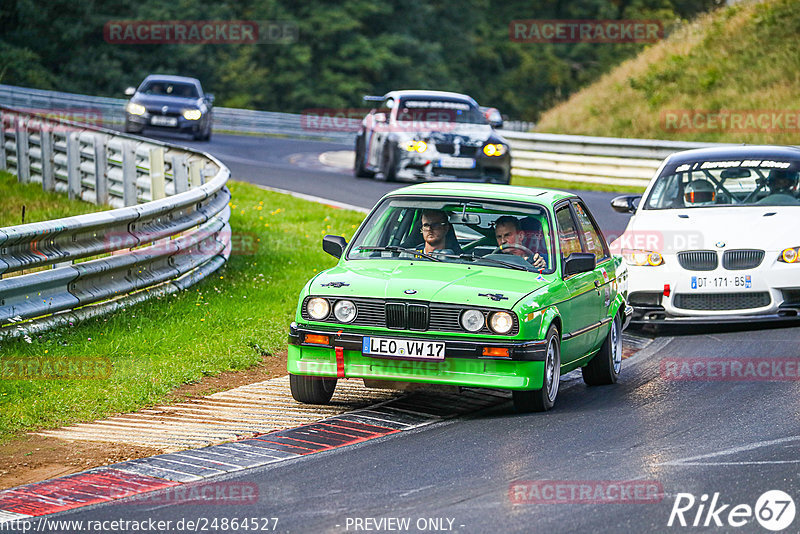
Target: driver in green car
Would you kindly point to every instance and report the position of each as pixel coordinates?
(511, 238)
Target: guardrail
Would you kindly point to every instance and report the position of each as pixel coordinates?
(170, 225)
(606, 160)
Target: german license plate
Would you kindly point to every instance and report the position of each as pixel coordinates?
(743, 281)
(457, 163)
(403, 348)
(159, 120)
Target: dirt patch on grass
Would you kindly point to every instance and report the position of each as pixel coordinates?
(31, 458)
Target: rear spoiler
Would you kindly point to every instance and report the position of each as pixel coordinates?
(373, 98)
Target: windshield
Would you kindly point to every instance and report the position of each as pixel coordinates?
(183, 90)
(442, 110)
(502, 235)
(726, 183)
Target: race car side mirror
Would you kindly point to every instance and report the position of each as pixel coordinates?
(130, 91)
(625, 203)
(579, 262)
(334, 245)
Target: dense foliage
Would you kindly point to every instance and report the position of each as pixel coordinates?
(345, 49)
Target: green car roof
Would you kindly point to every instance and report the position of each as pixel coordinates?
(486, 191)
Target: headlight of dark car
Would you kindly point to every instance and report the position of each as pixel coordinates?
(495, 149)
(135, 109)
(192, 114)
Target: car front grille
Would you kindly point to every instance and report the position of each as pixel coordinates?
(698, 260)
(737, 260)
(449, 148)
(408, 315)
(721, 301)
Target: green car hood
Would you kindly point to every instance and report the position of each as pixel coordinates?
(431, 281)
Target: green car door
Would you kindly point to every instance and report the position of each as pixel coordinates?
(581, 311)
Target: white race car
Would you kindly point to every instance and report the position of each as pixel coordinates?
(715, 237)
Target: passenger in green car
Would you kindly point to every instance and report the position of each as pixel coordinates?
(434, 232)
(511, 239)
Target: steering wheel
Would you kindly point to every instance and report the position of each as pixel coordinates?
(502, 248)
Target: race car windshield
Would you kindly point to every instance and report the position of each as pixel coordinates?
(726, 183)
(183, 90)
(475, 232)
(444, 111)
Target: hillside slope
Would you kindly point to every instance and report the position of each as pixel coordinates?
(732, 75)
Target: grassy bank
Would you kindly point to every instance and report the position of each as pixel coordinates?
(227, 322)
(736, 60)
(38, 205)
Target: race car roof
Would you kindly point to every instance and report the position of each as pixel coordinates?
(483, 191)
(733, 153)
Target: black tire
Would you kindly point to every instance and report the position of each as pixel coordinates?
(359, 168)
(388, 165)
(604, 368)
(208, 135)
(312, 389)
(541, 400)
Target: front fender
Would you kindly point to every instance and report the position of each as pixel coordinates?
(549, 315)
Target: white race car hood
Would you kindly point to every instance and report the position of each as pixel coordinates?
(769, 228)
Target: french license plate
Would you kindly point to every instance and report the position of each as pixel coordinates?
(403, 348)
(457, 163)
(159, 120)
(743, 281)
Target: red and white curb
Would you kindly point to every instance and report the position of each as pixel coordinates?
(136, 477)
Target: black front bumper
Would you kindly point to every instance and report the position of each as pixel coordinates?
(526, 351)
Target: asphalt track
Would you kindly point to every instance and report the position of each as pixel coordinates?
(735, 435)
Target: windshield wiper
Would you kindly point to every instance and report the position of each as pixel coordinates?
(399, 249)
(472, 257)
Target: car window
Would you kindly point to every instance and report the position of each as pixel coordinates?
(567, 232)
(593, 241)
(701, 183)
(444, 111)
(469, 235)
(162, 88)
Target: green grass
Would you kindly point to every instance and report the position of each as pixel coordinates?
(39, 205)
(547, 183)
(224, 323)
(739, 58)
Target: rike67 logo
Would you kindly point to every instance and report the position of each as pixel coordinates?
(774, 510)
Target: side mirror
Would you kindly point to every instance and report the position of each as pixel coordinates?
(496, 124)
(334, 245)
(210, 98)
(379, 117)
(626, 203)
(579, 262)
(130, 91)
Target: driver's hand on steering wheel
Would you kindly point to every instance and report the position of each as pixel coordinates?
(538, 261)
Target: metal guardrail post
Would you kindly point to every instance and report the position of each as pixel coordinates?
(180, 175)
(157, 185)
(101, 169)
(3, 164)
(129, 196)
(48, 176)
(23, 157)
(74, 165)
(195, 180)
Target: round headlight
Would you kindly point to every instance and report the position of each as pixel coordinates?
(501, 322)
(472, 320)
(789, 255)
(318, 308)
(192, 114)
(345, 311)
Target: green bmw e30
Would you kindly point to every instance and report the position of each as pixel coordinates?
(469, 285)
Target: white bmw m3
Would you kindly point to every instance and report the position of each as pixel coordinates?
(715, 237)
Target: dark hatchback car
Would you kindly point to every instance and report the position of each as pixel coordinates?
(430, 135)
(169, 104)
